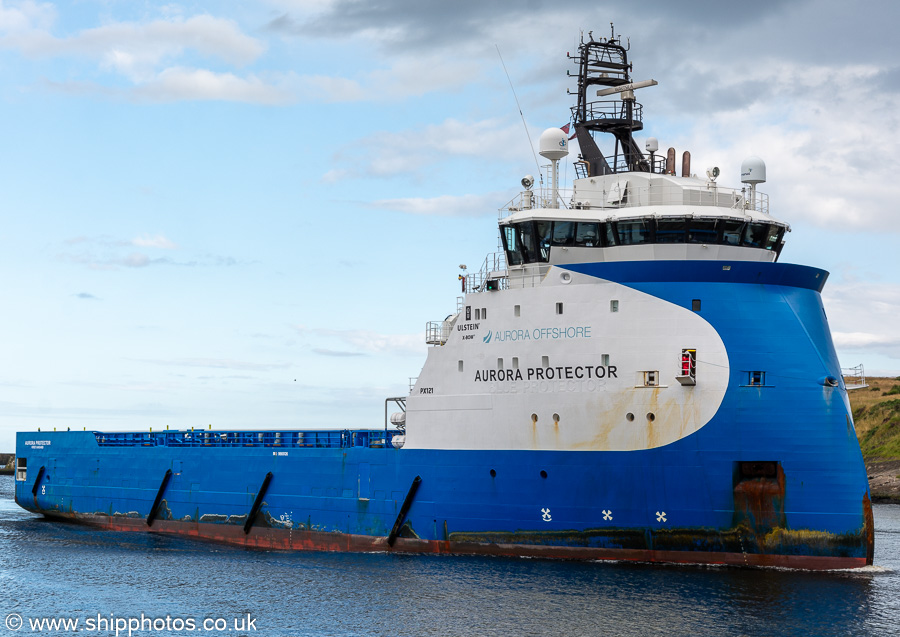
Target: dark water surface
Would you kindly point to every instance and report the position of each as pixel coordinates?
(59, 570)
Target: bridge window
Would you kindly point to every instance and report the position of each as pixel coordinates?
(731, 232)
(755, 235)
(633, 232)
(563, 233)
(763, 235)
(531, 241)
(702, 231)
(671, 230)
(587, 235)
(608, 234)
(511, 244)
(773, 240)
(526, 240)
(542, 232)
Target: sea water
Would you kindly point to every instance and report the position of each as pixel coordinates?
(144, 584)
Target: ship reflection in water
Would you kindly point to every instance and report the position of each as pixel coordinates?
(56, 569)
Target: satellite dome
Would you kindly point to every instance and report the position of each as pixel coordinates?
(753, 170)
(554, 144)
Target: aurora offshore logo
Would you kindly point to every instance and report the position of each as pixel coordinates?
(539, 333)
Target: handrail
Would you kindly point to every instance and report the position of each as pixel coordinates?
(329, 439)
(639, 197)
(493, 268)
(854, 377)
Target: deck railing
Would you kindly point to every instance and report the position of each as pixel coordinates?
(655, 195)
(491, 274)
(328, 439)
(854, 377)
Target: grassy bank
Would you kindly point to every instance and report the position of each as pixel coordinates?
(876, 413)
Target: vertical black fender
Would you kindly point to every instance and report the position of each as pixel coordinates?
(407, 502)
(159, 496)
(257, 503)
(37, 481)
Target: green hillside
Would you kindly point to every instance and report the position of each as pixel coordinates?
(876, 413)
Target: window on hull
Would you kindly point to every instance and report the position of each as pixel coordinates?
(532, 241)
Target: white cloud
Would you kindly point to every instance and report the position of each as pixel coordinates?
(25, 16)
(175, 84)
(108, 253)
(303, 6)
(444, 205)
(129, 46)
(220, 363)
(134, 260)
(366, 341)
(159, 241)
(862, 340)
(407, 77)
(385, 154)
(418, 75)
(863, 317)
(144, 54)
(322, 88)
(828, 162)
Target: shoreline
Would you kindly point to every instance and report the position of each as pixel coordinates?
(884, 480)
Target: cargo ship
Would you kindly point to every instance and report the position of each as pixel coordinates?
(633, 376)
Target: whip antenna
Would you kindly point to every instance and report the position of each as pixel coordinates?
(516, 97)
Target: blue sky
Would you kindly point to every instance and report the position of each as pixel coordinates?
(243, 214)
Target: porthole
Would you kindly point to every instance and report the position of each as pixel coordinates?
(543, 473)
(533, 418)
(556, 418)
(493, 473)
(629, 416)
(651, 416)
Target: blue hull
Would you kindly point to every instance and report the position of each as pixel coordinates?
(776, 477)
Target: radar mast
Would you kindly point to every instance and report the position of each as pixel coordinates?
(604, 63)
